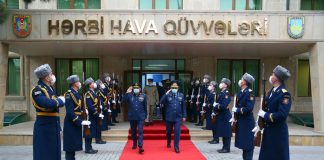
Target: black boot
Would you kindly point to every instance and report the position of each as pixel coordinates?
(141, 150)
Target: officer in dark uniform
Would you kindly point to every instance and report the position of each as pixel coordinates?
(208, 109)
(223, 115)
(192, 99)
(166, 87)
(244, 137)
(91, 105)
(275, 142)
(106, 91)
(102, 98)
(174, 103)
(72, 132)
(46, 134)
(137, 112)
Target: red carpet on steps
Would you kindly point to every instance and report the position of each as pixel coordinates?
(155, 146)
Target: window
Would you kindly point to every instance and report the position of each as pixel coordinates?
(13, 76)
(79, 4)
(80, 67)
(303, 81)
(241, 4)
(160, 4)
(12, 4)
(234, 70)
(159, 65)
(312, 5)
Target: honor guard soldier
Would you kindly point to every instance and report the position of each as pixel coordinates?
(174, 103)
(137, 112)
(208, 109)
(223, 115)
(244, 137)
(203, 92)
(192, 98)
(107, 92)
(91, 105)
(101, 99)
(275, 142)
(152, 100)
(72, 132)
(46, 134)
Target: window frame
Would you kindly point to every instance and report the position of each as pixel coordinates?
(313, 6)
(309, 79)
(247, 6)
(154, 2)
(86, 4)
(20, 78)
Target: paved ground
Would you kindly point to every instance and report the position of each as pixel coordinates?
(113, 150)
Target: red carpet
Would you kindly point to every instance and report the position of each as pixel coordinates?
(155, 146)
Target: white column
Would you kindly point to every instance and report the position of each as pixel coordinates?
(316, 60)
(3, 78)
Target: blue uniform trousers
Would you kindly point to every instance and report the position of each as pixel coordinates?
(177, 131)
(137, 125)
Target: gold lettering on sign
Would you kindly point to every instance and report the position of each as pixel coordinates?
(56, 27)
(173, 30)
(220, 27)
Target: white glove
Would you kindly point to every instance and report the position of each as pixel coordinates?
(256, 130)
(234, 109)
(168, 91)
(100, 106)
(108, 102)
(109, 110)
(215, 104)
(202, 112)
(87, 111)
(192, 96)
(261, 113)
(231, 120)
(213, 114)
(198, 95)
(119, 102)
(85, 123)
(101, 116)
(62, 98)
(204, 104)
(113, 101)
(197, 103)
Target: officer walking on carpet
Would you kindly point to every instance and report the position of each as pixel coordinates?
(137, 112)
(46, 134)
(174, 103)
(275, 139)
(72, 132)
(244, 137)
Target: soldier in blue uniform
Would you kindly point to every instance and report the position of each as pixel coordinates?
(107, 92)
(244, 137)
(223, 115)
(203, 92)
(175, 107)
(72, 132)
(192, 99)
(91, 105)
(208, 109)
(275, 142)
(137, 112)
(102, 99)
(46, 134)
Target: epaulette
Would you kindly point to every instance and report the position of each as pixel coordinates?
(250, 90)
(284, 90)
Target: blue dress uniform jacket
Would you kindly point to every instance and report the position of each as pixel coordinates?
(275, 143)
(91, 104)
(136, 106)
(46, 134)
(244, 137)
(72, 132)
(223, 126)
(175, 106)
(209, 108)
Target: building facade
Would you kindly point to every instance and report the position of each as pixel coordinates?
(177, 39)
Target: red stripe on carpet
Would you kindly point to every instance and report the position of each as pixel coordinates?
(155, 145)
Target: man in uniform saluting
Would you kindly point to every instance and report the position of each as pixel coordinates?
(137, 112)
(275, 141)
(46, 134)
(174, 103)
(72, 133)
(244, 137)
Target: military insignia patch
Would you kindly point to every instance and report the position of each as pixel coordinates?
(285, 101)
(180, 98)
(37, 93)
(22, 26)
(296, 27)
(251, 98)
(141, 98)
(226, 96)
